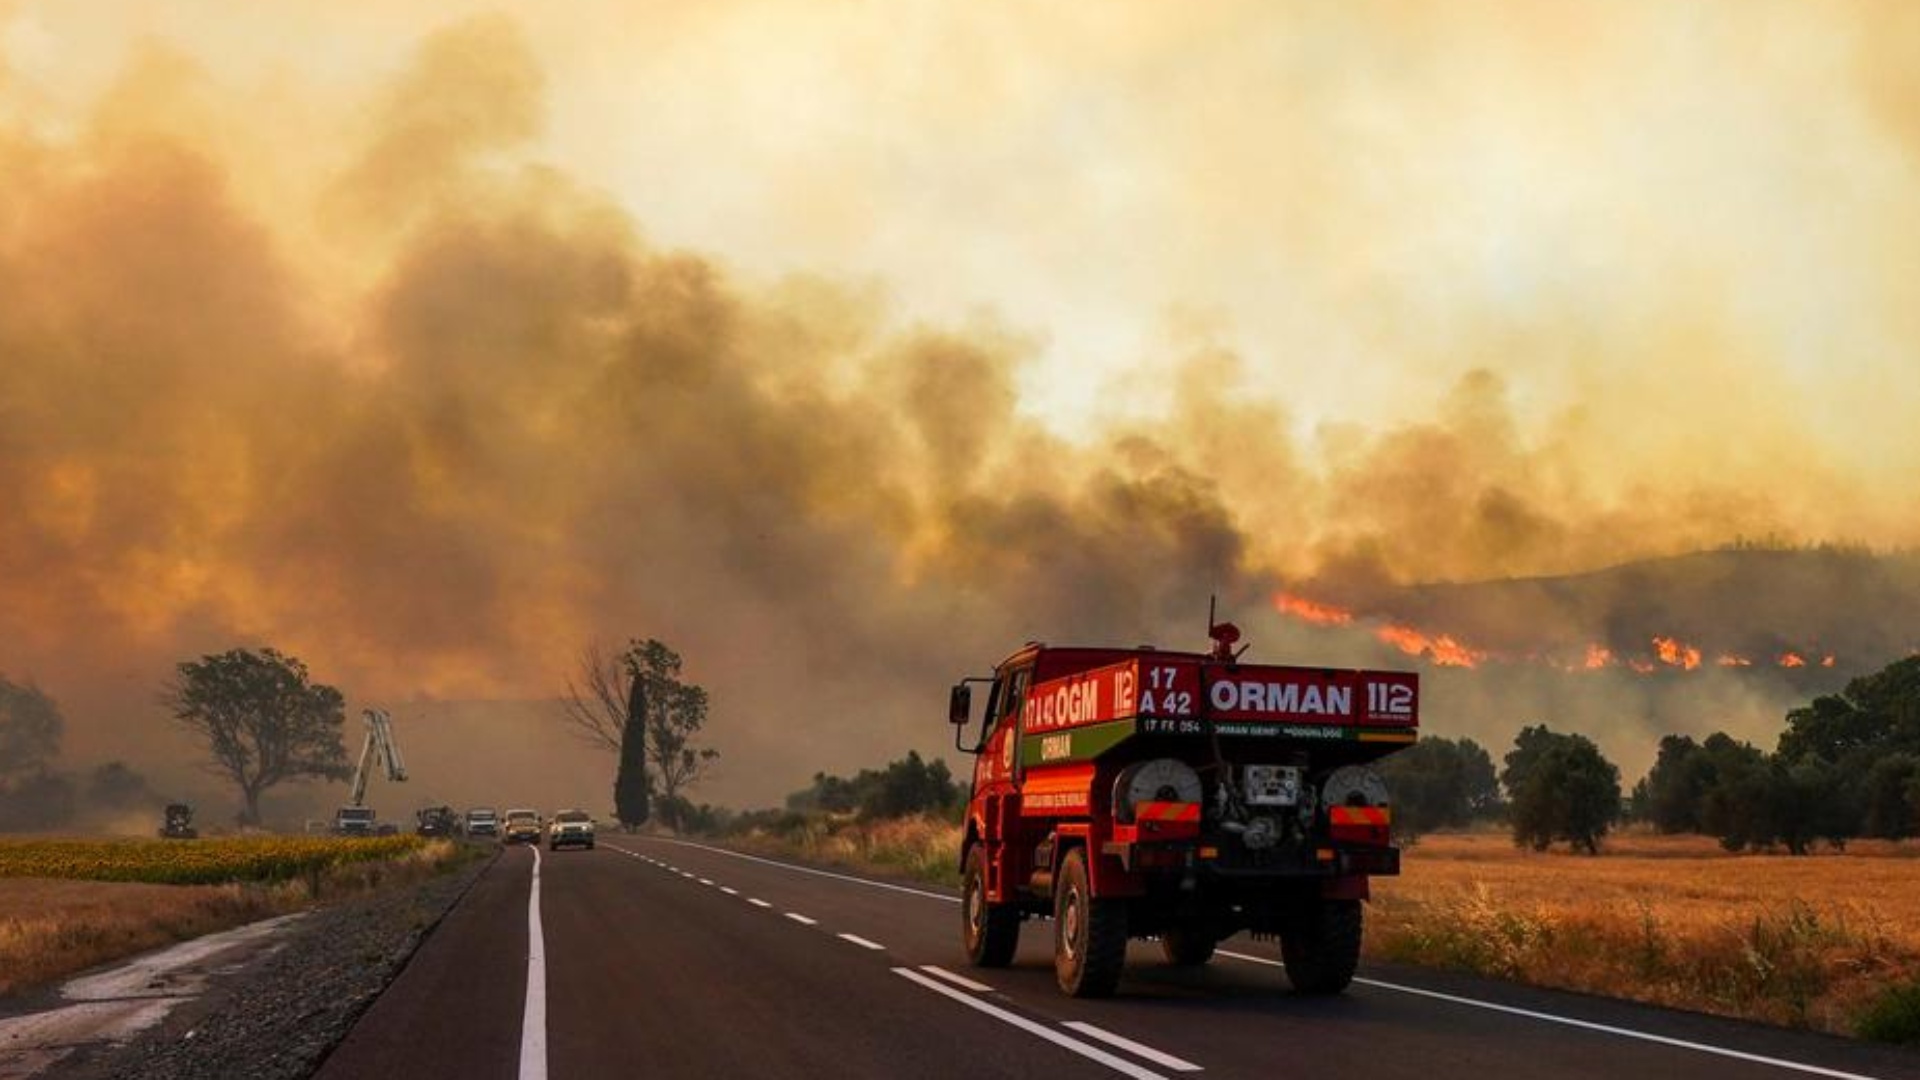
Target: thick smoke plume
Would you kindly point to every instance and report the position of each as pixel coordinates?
(426, 411)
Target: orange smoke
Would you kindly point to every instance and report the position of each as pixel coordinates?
(1310, 611)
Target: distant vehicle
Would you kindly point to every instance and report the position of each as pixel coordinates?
(523, 827)
(570, 828)
(178, 824)
(437, 821)
(483, 821)
(354, 821)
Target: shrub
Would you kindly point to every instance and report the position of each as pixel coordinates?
(1894, 1016)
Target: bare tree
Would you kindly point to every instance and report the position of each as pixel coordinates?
(595, 707)
(595, 710)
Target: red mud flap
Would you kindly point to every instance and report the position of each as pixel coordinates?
(1154, 821)
(1359, 824)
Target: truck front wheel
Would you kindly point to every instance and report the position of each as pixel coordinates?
(1089, 935)
(992, 931)
(1322, 947)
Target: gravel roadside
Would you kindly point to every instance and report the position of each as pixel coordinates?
(279, 1018)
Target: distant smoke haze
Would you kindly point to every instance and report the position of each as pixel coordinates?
(358, 366)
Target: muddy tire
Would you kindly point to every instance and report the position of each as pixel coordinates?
(1322, 946)
(1089, 935)
(1187, 946)
(991, 931)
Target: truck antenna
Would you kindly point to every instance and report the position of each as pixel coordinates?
(1224, 636)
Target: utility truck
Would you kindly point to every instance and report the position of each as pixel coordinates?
(1131, 793)
(357, 818)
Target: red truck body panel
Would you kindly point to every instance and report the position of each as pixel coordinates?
(1061, 722)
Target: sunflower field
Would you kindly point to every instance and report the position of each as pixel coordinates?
(196, 862)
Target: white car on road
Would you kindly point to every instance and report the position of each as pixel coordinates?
(573, 827)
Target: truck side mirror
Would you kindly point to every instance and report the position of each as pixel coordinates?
(960, 705)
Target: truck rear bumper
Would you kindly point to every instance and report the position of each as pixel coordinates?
(1218, 861)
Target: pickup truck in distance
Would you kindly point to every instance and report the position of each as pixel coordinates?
(522, 827)
(1185, 796)
(483, 821)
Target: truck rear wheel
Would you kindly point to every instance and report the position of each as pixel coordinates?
(1322, 947)
(1089, 935)
(992, 931)
(1187, 946)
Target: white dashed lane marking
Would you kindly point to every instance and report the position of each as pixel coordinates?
(1139, 1050)
(1087, 1050)
(956, 979)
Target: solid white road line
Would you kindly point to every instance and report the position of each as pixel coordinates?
(533, 1018)
(1117, 1064)
(1586, 1025)
(957, 980)
(757, 902)
(802, 919)
(1139, 1050)
(862, 942)
(810, 870)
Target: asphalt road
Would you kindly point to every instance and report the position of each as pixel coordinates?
(665, 959)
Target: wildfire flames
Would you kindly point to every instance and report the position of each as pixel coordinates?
(1447, 650)
(1442, 649)
(1309, 612)
(1676, 654)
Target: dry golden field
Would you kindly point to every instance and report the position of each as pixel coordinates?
(1805, 942)
(67, 905)
(54, 928)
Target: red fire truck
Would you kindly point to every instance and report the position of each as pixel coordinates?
(1186, 796)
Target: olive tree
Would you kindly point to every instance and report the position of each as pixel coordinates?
(264, 720)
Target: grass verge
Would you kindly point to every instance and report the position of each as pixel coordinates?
(921, 848)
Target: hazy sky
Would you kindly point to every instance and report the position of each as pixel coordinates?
(428, 343)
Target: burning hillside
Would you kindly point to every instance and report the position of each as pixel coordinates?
(1741, 611)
